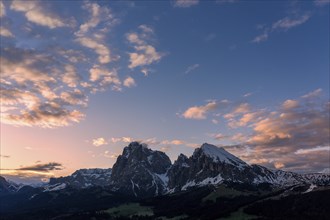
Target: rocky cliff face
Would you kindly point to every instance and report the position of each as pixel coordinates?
(140, 171)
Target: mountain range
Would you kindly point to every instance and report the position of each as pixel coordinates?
(141, 174)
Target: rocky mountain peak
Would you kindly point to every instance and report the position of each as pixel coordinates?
(181, 159)
(140, 171)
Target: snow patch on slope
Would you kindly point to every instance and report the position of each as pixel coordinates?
(207, 181)
(55, 187)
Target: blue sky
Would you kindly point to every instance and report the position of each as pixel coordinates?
(79, 80)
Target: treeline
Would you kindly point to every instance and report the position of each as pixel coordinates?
(312, 205)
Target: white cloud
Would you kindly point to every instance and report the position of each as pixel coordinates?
(288, 22)
(145, 53)
(129, 82)
(242, 108)
(127, 139)
(173, 142)
(35, 13)
(279, 165)
(134, 38)
(70, 77)
(2, 9)
(288, 104)
(307, 151)
(122, 139)
(219, 136)
(92, 33)
(248, 94)
(215, 121)
(225, 1)
(191, 68)
(5, 32)
(104, 78)
(321, 3)
(185, 3)
(285, 24)
(261, 37)
(146, 29)
(110, 155)
(313, 94)
(94, 10)
(145, 71)
(199, 112)
(99, 48)
(99, 142)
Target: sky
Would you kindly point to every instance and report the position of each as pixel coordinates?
(80, 80)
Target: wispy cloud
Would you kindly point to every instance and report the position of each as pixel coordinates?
(192, 68)
(34, 173)
(46, 167)
(248, 94)
(283, 24)
(307, 151)
(122, 139)
(262, 37)
(289, 22)
(314, 94)
(2, 9)
(173, 142)
(185, 3)
(225, 1)
(321, 3)
(199, 112)
(210, 37)
(4, 31)
(109, 154)
(99, 48)
(91, 34)
(36, 12)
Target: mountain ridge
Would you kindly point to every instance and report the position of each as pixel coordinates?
(143, 172)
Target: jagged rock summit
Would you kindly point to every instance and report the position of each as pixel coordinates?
(140, 171)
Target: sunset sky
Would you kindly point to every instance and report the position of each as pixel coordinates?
(82, 79)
